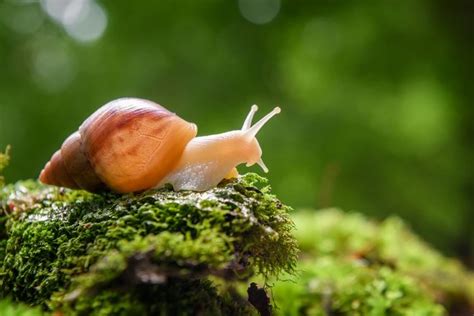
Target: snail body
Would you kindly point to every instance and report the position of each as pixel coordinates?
(132, 144)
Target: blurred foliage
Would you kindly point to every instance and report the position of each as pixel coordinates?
(375, 95)
(354, 266)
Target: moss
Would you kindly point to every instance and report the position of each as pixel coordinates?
(59, 243)
(177, 297)
(354, 266)
(332, 287)
(4, 160)
(7, 308)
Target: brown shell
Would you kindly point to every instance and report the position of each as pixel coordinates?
(127, 145)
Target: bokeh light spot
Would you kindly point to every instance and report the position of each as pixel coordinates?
(55, 8)
(83, 20)
(259, 11)
(89, 24)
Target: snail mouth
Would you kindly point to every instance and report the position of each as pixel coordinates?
(43, 176)
(189, 131)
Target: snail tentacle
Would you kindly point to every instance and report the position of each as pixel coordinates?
(248, 119)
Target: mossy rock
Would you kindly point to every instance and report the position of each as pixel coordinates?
(351, 265)
(149, 253)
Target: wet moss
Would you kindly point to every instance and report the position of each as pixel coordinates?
(61, 243)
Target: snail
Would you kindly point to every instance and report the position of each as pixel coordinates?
(132, 144)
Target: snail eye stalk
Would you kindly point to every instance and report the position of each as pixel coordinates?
(253, 130)
(248, 120)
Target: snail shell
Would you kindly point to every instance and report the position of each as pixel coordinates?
(127, 145)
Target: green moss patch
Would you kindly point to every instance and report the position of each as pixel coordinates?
(62, 245)
(4, 160)
(354, 266)
(7, 308)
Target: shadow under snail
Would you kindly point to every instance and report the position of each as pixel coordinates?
(132, 144)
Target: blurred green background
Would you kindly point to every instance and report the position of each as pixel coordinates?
(376, 95)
